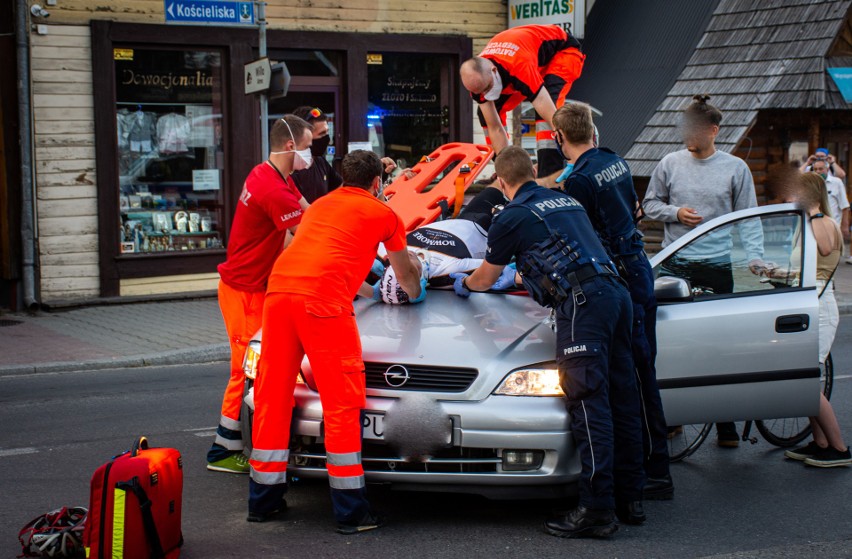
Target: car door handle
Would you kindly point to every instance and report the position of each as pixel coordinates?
(792, 323)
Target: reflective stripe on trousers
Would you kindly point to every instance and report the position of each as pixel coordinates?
(345, 470)
(269, 467)
(229, 434)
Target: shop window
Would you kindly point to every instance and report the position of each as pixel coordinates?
(170, 150)
(408, 114)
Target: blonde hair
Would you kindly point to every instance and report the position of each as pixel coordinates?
(813, 190)
(574, 122)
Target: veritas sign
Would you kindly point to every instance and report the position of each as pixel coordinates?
(569, 14)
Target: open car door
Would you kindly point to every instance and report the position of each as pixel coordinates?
(732, 344)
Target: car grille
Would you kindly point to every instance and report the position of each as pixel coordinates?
(422, 378)
(380, 458)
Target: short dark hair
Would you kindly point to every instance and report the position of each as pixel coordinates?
(281, 131)
(360, 168)
(310, 114)
(702, 112)
(513, 165)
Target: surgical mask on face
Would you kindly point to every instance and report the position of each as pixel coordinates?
(303, 158)
(569, 168)
(301, 161)
(496, 87)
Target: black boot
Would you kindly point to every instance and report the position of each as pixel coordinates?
(268, 515)
(582, 523)
(659, 489)
(630, 512)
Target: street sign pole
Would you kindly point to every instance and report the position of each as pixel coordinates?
(264, 101)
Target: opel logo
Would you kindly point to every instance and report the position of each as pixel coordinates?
(396, 376)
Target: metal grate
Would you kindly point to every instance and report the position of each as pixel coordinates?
(9, 322)
(422, 378)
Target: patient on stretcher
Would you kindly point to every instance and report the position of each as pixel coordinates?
(446, 247)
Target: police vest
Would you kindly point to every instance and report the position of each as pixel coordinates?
(613, 215)
(550, 267)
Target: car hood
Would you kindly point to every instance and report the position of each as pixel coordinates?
(487, 331)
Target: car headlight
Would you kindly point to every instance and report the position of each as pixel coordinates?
(531, 382)
(252, 358)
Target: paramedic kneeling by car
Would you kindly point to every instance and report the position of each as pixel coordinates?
(308, 311)
(565, 267)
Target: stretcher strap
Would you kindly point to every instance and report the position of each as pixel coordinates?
(459, 195)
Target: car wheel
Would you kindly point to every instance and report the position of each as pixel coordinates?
(790, 431)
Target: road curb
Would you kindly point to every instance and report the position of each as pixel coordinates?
(190, 356)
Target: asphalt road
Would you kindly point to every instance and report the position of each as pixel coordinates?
(56, 429)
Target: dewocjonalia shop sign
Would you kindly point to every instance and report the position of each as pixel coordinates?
(569, 14)
(157, 76)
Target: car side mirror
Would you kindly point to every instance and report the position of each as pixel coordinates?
(669, 289)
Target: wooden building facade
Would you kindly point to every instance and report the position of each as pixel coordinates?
(764, 64)
(143, 133)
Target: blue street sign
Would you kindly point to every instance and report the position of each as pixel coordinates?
(843, 78)
(209, 11)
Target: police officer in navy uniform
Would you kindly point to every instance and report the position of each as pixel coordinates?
(564, 266)
(602, 183)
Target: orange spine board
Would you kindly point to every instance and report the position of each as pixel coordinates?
(416, 200)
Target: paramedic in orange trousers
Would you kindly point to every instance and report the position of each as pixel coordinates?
(270, 208)
(308, 311)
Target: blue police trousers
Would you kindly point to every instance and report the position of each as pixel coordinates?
(640, 283)
(596, 371)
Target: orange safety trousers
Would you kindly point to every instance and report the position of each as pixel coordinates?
(242, 312)
(294, 326)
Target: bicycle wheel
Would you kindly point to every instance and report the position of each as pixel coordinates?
(685, 439)
(790, 431)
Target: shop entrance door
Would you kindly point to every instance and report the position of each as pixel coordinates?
(322, 96)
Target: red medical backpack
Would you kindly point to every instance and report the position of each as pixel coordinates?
(135, 505)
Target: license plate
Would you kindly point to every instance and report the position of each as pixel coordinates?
(373, 426)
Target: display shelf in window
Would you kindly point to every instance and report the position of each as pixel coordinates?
(163, 231)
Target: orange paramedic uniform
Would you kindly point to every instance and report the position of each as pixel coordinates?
(267, 209)
(308, 311)
(528, 58)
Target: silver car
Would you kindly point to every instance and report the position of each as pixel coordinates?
(479, 374)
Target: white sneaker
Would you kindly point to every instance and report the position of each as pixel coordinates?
(848, 259)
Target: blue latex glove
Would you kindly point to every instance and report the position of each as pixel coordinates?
(377, 291)
(569, 168)
(378, 268)
(506, 279)
(458, 284)
(422, 295)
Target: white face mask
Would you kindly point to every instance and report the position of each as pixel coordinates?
(496, 88)
(303, 158)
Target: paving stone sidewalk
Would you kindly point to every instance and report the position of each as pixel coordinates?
(99, 337)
